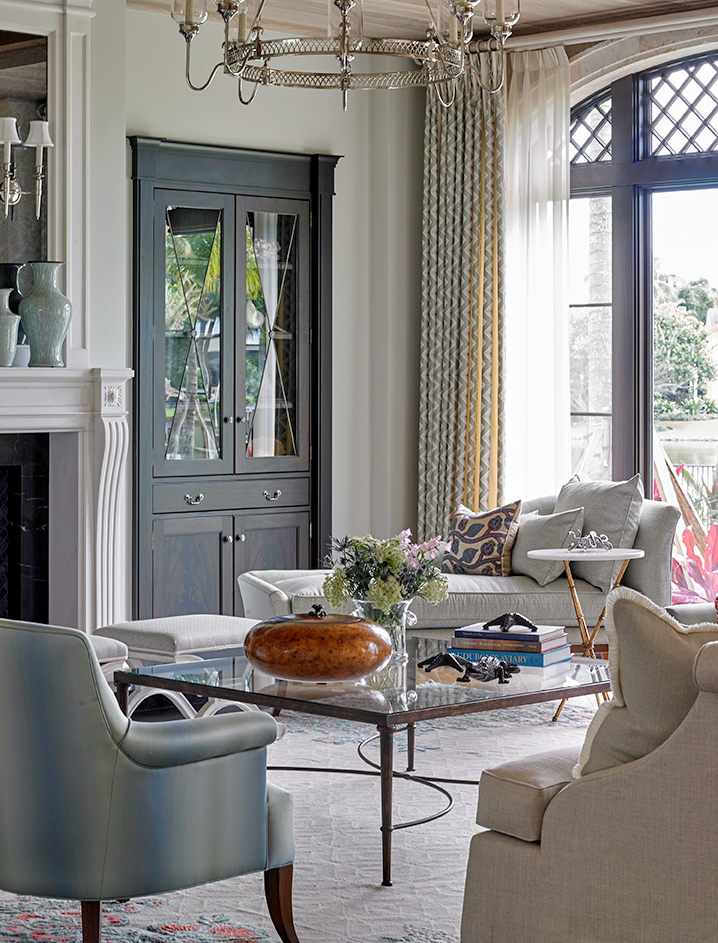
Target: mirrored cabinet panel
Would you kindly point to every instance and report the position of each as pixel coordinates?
(233, 361)
(192, 323)
(272, 316)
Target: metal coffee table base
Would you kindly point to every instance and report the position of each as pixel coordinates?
(224, 676)
(385, 770)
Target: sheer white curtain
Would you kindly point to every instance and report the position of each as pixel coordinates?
(538, 453)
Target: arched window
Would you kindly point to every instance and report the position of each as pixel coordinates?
(644, 283)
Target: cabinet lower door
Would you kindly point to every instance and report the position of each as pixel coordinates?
(192, 564)
(271, 540)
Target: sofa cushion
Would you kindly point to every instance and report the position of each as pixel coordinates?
(651, 658)
(471, 599)
(612, 508)
(480, 542)
(514, 796)
(538, 532)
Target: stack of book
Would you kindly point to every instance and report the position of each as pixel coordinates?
(545, 649)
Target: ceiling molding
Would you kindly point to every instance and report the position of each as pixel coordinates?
(621, 29)
(408, 18)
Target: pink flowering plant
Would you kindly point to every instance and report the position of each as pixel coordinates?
(384, 572)
(695, 578)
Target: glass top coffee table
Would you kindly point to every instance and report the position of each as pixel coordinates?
(395, 698)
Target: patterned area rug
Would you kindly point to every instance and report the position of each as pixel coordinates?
(338, 897)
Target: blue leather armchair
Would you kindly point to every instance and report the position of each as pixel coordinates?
(94, 806)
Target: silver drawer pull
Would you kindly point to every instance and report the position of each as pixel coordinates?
(273, 497)
(194, 501)
(241, 537)
(228, 539)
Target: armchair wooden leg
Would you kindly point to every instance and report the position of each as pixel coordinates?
(278, 891)
(91, 914)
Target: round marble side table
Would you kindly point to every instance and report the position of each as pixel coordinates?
(624, 554)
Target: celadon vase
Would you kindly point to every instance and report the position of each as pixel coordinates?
(45, 314)
(8, 329)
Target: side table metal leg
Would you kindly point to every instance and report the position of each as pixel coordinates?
(586, 639)
(410, 732)
(386, 754)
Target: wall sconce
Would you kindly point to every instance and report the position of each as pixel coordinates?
(38, 137)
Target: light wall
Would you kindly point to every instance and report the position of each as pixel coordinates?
(138, 88)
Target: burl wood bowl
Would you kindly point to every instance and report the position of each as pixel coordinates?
(317, 647)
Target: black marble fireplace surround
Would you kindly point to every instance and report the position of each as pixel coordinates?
(24, 523)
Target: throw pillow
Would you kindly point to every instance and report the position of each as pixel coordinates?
(480, 542)
(539, 532)
(612, 508)
(651, 659)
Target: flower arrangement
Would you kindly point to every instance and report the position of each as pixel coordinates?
(384, 572)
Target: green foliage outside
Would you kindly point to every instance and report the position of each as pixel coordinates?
(683, 365)
(698, 298)
(682, 354)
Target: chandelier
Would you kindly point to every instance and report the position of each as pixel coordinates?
(434, 63)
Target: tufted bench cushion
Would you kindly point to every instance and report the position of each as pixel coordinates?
(175, 636)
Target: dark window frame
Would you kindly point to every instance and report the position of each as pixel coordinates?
(631, 178)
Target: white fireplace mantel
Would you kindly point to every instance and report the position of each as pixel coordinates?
(85, 412)
(83, 409)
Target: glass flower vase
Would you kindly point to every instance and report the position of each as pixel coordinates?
(395, 621)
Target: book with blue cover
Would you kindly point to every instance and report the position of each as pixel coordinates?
(529, 659)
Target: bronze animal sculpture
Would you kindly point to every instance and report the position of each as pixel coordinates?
(486, 668)
(508, 620)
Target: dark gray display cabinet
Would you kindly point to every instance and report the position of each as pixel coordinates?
(232, 411)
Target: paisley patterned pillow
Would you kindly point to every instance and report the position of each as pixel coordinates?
(480, 542)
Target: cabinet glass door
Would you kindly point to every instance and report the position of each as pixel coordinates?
(275, 336)
(191, 376)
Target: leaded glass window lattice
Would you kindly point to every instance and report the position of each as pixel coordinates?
(682, 105)
(591, 132)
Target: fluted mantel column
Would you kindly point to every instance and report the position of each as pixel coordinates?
(85, 412)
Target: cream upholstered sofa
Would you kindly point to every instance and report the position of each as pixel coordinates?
(622, 847)
(269, 593)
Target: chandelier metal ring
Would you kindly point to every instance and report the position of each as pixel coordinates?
(434, 67)
(437, 61)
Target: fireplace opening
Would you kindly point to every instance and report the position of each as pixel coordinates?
(24, 526)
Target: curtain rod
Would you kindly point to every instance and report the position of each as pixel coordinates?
(615, 30)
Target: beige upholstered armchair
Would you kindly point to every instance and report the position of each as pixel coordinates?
(96, 807)
(623, 848)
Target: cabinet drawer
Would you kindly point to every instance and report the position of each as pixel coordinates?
(214, 495)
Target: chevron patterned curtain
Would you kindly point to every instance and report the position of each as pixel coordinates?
(462, 335)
